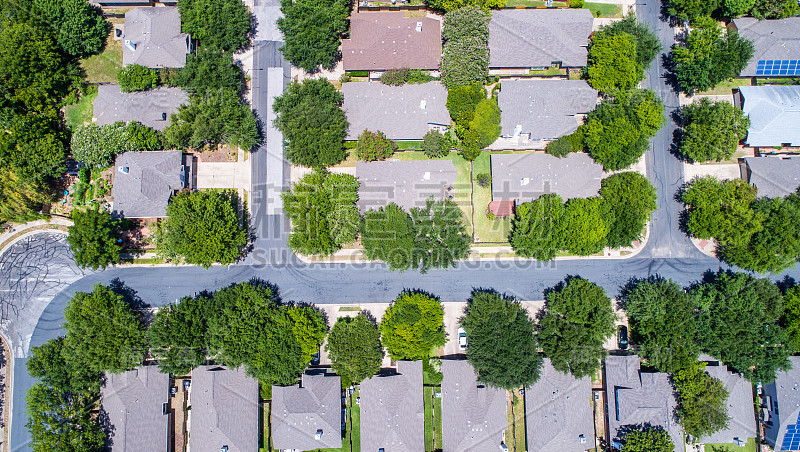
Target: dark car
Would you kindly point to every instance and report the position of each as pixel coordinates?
(315, 359)
(622, 337)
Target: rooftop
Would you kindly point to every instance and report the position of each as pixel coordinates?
(774, 115)
(742, 424)
(523, 177)
(524, 38)
(224, 410)
(636, 397)
(404, 112)
(784, 396)
(545, 109)
(474, 415)
(151, 108)
(144, 182)
(134, 403)
(773, 176)
(558, 412)
(772, 39)
(301, 412)
(392, 410)
(405, 183)
(390, 40)
(153, 38)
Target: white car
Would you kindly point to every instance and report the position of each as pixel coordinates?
(462, 338)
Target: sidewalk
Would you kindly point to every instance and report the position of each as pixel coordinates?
(53, 224)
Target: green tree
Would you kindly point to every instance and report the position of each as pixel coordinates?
(441, 234)
(63, 422)
(33, 146)
(647, 43)
(588, 222)
(452, 5)
(502, 346)
(712, 130)
(46, 363)
(435, 145)
(214, 118)
(537, 229)
(373, 146)
(143, 138)
(217, 24)
(465, 58)
(413, 326)
(313, 31)
(702, 402)
(663, 324)
(612, 62)
(251, 329)
(739, 324)
(135, 77)
(354, 348)
(93, 238)
(388, 234)
(462, 101)
(210, 70)
(103, 332)
(647, 439)
(791, 316)
(99, 145)
(179, 336)
(775, 9)
(486, 122)
(323, 212)
(632, 199)
(575, 323)
(309, 329)
(78, 27)
(202, 228)
(559, 147)
(691, 10)
(312, 122)
(721, 210)
(21, 200)
(736, 8)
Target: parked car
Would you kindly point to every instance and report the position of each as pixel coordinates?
(462, 338)
(622, 337)
(315, 359)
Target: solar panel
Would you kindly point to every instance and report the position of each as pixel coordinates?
(778, 67)
(791, 440)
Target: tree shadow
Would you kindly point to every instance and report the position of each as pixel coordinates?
(130, 296)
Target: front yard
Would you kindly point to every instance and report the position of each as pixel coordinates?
(600, 10)
(727, 447)
(485, 229)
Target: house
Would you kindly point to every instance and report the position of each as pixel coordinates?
(144, 182)
(405, 183)
(525, 39)
(774, 113)
(392, 410)
(404, 112)
(523, 177)
(544, 109)
(776, 43)
(224, 410)
(558, 412)
(474, 416)
(637, 398)
(153, 38)
(390, 40)
(137, 405)
(308, 416)
(151, 108)
(742, 423)
(773, 176)
(780, 409)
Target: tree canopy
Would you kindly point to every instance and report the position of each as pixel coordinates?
(63, 422)
(46, 362)
(574, 325)
(313, 31)
(702, 402)
(452, 5)
(537, 229)
(791, 316)
(202, 228)
(465, 57)
(647, 44)
(312, 122)
(589, 221)
(217, 24)
(632, 198)
(78, 27)
(501, 343)
(354, 348)
(373, 146)
(412, 327)
(93, 238)
(612, 62)
(712, 130)
(178, 335)
(135, 77)
(647, 439)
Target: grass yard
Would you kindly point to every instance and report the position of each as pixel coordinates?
(80, 112)
(725, 87)
(406, 145)
(551, 71)
(102, 68)
(604, 9)
(778, 81)
(433, 418)
(749, 447)
(486, 230)
(515, 435)
(266, 439)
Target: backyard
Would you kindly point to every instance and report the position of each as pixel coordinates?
(515, 435)
(81, 112)
(433, 418)
(600, 10)
(749, 447)
(102, 68)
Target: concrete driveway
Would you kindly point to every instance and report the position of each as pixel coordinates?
(223, 175)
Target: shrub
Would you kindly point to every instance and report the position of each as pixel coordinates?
(486, 122)
(462, 100)
(98, 145)
(395, 77)
(484, 179)
(142, 137)
(357, 73)
(576, 4)
(135, 77)
(374, 146)
(435, 145)
(560, 147)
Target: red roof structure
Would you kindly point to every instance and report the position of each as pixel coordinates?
(502, 208)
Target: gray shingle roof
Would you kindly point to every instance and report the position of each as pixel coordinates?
(783, 403)
(772, 39)
(405, 183)
(523, 177)
(773, 177)
(155, 34)
(774, 114)
(523, 38)
(558, 412)
(392, 410)
(474, 416)
(390, 40)
(545, 109)
(742, 422)
(224, 410)
(636, 397)
(299, 412)
(400, 112)
(134, 403)
(148, 107)
(151, 178)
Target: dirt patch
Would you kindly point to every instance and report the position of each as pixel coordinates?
(138, 234)
(223, 154)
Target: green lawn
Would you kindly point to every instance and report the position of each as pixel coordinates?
(433, 418)
(605, 9)
(485, 229)
(80, 112)
(437, 420)
(725, 87)
(102, 68)
(778, 81)
(749, 447)
(548, 72)
(404, 145)
(266, 438)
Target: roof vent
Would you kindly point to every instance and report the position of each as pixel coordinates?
(318, 435)
(223, 449)
(524, 181)
(164, 116)
(124, 169)
(419, 27)
(130, 44)
(422, 104)
(582, 439)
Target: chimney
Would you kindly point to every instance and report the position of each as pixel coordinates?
(130, 44)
